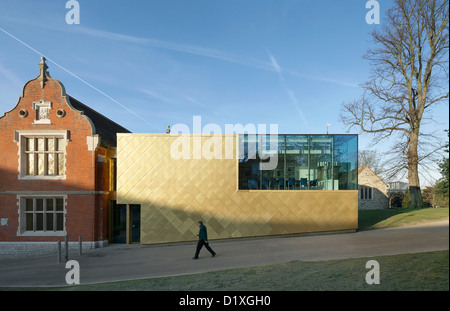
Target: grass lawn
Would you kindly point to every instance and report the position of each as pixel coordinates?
(421, 271)
(376, 219)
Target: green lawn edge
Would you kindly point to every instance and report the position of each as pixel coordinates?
(389, 218)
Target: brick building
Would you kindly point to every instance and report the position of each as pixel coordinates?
(373, 191)
(57, 169)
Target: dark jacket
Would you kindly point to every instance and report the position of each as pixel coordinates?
(203, 235)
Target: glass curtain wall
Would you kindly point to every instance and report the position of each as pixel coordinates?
(297, 162)
(346, 158)
(273, 149)
(257, 150)
(321, 162)
(303, 162)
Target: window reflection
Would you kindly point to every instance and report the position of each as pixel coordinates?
(305, 162)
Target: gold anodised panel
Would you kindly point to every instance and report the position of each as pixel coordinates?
(175, 193)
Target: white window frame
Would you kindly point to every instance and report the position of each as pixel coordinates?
(22, 230)
(20, 138)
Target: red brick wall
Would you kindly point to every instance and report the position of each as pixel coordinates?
(79, 220)
(80, 165)
(8, 209)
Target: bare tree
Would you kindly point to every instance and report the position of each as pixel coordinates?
(409, 75)
(371, 159)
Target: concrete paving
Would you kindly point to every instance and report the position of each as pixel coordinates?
(125, 262)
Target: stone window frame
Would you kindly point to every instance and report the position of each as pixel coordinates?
(21, 202)
(20, 138)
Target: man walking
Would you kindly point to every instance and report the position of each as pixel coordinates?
(203, 240)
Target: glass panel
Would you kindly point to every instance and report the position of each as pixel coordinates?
(40, 144)
(59, 204)
(59, 222)
(39, 221)
(248, 164)
(60, 164)
(49, 206)
(39, 204)
(50, 144)
(29, 205)
(51, 163)
(273, 148)
(29, 222)
(261, 163)
(39, 217)
(40, 164)
(297, 174)
(315, 162)
(30, 144)
(30, 163)
(346, 160)
(61, 144)
(49, 221)
(321, 168)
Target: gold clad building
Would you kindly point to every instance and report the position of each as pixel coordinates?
(166, 183)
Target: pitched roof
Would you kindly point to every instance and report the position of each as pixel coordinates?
(103, 126)
(360, 170)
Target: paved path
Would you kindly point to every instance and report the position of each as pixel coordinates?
(125, 262)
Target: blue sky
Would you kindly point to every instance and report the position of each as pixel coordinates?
(149, 64)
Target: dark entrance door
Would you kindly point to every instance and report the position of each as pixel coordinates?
(119, 223)
(135, 212)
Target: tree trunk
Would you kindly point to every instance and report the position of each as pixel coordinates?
(413, 171)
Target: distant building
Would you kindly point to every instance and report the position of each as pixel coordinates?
(373, 191)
